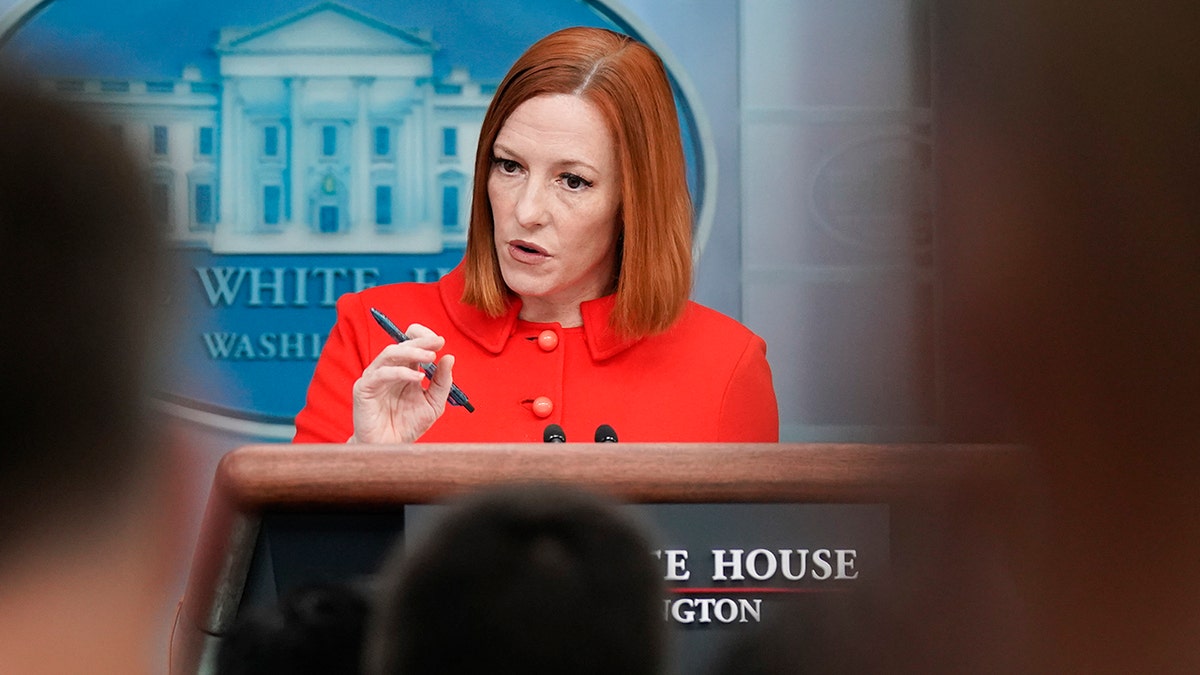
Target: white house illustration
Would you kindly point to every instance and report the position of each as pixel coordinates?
(326, 132)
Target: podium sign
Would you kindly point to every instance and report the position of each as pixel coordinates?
(729, 567)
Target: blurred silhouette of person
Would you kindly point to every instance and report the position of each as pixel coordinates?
(314, 629)
(530, 578)
(1065, 152)
(88, 514)
(1066, 149)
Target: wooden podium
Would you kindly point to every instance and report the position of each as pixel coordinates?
(258, 479)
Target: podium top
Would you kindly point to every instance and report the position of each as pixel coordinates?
(283, 476)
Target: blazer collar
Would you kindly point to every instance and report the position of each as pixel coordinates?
(492, 332)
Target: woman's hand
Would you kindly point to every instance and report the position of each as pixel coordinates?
(391, 403)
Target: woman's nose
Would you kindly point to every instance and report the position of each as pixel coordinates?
(531, 205)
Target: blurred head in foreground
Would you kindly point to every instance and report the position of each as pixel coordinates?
(85, 517)
(536, 578)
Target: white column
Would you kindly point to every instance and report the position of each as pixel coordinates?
(229, 195)
(361, 199)
(297, 158)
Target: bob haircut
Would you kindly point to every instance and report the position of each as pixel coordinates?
(627, 83)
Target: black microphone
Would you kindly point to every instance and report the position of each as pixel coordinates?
(605, 434)
(554, 434)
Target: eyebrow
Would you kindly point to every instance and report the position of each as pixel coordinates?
(500, 148)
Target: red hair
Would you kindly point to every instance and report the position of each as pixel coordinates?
(628, 84)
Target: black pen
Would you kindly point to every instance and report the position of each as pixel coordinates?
(457, 397)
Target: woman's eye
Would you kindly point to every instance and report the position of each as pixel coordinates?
(574, 182)
(507, 165)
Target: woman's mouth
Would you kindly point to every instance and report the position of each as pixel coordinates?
(526, 252)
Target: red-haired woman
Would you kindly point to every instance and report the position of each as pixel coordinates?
(571, 304)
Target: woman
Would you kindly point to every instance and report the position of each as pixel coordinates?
(571, 304)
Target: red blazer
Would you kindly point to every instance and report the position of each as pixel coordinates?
(704, 380)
